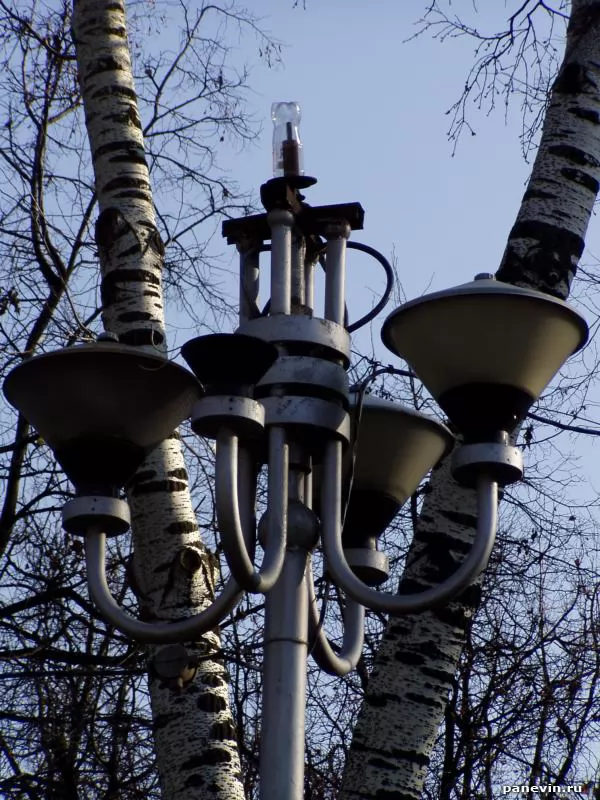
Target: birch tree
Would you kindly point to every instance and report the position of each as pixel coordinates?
(194, 738)
(417, 660)
(83, 728)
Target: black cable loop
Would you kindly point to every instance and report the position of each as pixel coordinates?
(389, 272)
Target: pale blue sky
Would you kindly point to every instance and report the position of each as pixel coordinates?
(374, 130)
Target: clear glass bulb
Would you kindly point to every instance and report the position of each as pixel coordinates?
(287, 147)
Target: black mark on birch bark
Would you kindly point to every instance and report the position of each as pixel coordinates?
(582, 178)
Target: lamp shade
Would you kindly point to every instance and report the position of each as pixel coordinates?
(101, 407)
(395, 448)
(229, 363)
(486, 350)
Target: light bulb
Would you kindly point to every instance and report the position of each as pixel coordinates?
(287, 147)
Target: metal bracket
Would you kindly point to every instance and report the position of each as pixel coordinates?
(501, 462)
(314, 416)
(314, 377)
(241, 415)
(331, 341)
(175, 665)
(107, 513)
(312, 220)
(372, 567)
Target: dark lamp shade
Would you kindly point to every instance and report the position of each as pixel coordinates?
(396, 448)
(226, 363)
(101, 407)
(485, 350)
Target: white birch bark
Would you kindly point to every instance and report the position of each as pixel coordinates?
(411, 681)
(194, 734)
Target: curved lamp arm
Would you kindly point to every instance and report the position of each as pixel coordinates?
(233, 535)
(396, 605)
(150, 632)
(323, 653)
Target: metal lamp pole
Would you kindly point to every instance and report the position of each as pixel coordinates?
(339, 463)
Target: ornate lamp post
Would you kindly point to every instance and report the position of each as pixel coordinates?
(340, 463)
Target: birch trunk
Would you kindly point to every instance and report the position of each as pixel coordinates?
(194, 734)
(414, 668)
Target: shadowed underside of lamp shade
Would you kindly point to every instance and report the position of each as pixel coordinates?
(229, 363)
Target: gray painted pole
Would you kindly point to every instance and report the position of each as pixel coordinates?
(284, 683)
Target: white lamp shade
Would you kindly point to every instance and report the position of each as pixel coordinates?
(485, 348)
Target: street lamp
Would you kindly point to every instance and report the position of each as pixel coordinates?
(340, 463)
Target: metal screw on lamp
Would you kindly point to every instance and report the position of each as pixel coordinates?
(276, 393)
